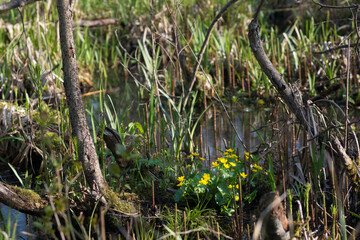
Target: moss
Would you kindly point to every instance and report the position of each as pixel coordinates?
(29, 196)
(118, 204)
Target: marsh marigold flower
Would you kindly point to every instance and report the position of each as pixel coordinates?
(243, 175)
(230, 186)
(205, 179)
(237, 198)
(247, 155)
(202, 159)
(195, 154)
(232, 164)
(180, 179)
(215, 164)
(222, 160)
(187, 166)
(227, 165)
(229, 150)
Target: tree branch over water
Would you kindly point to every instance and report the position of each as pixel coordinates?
(293, 100)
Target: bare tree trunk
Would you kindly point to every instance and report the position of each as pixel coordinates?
(80, 129)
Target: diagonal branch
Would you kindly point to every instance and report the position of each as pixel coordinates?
(294, 102)
(15, 4)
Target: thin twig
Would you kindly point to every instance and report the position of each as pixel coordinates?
(336, 48)
(203, 47)
(355, 6)
(196, 230)
(347, 94)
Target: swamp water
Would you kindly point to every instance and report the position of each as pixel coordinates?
(214, 133)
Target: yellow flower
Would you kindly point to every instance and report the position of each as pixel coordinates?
(181, 183)
(257, 167)
(187, 166)
(190, 156)
(195, 154)
(237, 198)
(254, 170)
(202, 159)
(229, 150)
(206, 176)
(232, 164)
(215, 164)
(203, 181)
(180, 179)
(222, 160)
(243, 175)
(247, 155)
(231, 186)
(227, 165)
(237, 186)
(232, 156)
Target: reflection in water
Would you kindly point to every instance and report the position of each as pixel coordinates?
(217, 132)
(214, 130)
(13, 219)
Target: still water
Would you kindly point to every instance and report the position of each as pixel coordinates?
(11, 220)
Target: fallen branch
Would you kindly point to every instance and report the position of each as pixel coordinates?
(97, 22)
(23, 200)
(15, 4)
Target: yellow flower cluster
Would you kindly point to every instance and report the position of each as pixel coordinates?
(229, 154)
(205, 179)
(231, 186)
(227, 164)
(181, 180)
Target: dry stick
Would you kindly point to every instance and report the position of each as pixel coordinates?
(153, 193)
(236, 212)
(196, 230)
(215, 139)
(347, 94)
(229, 72)
(241, 208)
(203, 47)
(102, 222)
(233, 73)
(184, 221)
(97, 22)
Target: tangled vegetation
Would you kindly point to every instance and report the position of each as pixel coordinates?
(163, 115)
